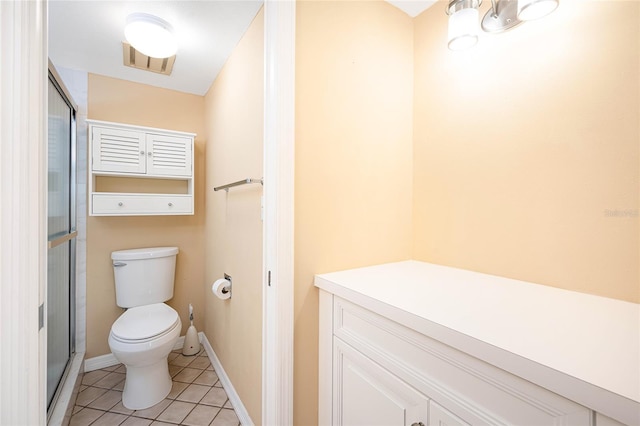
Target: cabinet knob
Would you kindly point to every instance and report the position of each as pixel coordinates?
(417, 424)
(149, 153)
(170, 204)
(141, 152)
(120, 204)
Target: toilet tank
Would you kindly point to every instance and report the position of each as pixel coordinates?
(144, 276)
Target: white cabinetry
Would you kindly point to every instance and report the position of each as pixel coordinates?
(413, 343)
(371, 396)
(387, 374)
(126, 151)
(439, 416)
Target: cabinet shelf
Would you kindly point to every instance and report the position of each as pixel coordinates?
(136, 152)
(136, 175)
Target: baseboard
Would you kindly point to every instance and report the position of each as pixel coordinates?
(234, 398)
(109, 360)
(98, 362)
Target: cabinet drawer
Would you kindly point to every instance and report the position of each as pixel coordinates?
(141, 204)
(473, 390)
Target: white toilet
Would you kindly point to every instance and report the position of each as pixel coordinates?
(142, 337)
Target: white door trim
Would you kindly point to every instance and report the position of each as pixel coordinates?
(23, 216)
(277, 321)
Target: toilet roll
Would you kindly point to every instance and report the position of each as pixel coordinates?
(221, 288)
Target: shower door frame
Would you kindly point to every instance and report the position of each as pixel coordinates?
(71, 236)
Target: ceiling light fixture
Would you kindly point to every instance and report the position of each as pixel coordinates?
(503, 15)
(150, 35)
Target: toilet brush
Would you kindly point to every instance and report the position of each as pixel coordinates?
(191, 343)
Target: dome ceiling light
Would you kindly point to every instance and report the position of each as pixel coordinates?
(150, 35)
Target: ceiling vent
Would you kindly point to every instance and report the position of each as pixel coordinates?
(133, 58)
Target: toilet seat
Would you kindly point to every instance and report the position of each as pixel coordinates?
(144, 323)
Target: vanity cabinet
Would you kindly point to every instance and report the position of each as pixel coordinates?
(415, 344)
(125, 151)
(387, 374)
(368, 394)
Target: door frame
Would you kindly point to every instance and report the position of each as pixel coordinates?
(23, 223)
(23, 117)
(278, 225)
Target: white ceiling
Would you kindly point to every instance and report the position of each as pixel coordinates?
(87, 35)
(412, 8)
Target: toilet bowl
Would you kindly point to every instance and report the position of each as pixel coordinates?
(141, 339)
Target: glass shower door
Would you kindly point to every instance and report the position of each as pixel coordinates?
(61, 234)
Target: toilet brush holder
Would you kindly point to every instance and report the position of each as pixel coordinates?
(191, 342)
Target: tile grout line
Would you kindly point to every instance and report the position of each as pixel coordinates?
(221, 407)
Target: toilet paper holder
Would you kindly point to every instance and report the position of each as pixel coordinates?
(221, 288)
(227, 289)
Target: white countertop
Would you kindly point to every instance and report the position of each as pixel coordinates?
(591, 338)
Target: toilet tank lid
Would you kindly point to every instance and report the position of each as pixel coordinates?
(144, 253)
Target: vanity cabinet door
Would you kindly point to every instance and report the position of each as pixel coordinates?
(602, 420)
(439, 416)
(365, 394)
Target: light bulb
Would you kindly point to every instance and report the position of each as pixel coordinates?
(463, 29)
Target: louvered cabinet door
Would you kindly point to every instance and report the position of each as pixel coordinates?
(116, 150)
(169, 155)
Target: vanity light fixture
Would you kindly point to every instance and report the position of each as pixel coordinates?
(150, 35)
(534, 9)
(503, 15)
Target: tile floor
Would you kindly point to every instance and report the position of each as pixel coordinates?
(196, 399)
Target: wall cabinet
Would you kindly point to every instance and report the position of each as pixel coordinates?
(126, 151)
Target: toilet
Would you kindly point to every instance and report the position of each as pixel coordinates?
(144, 335)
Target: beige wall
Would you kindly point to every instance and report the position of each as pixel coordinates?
(353, 162)
(126, 102)
(233, 233)
(525, 144)
(510, 159)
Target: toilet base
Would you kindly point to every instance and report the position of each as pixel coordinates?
(146, 386)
